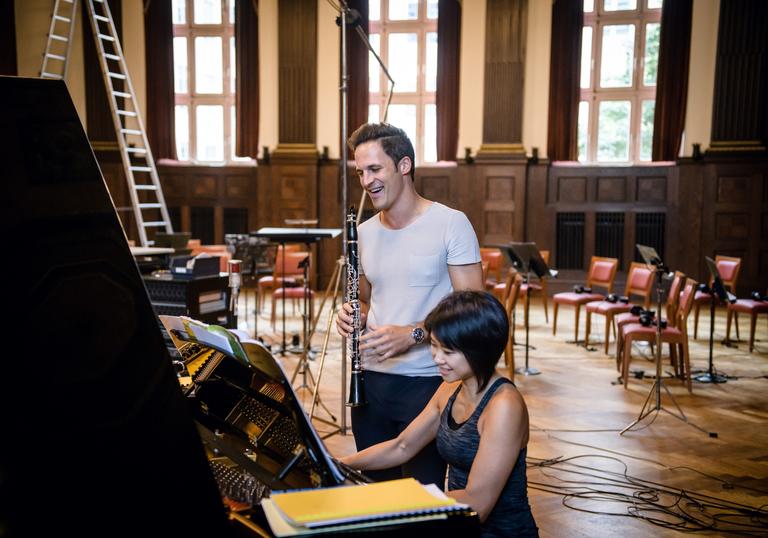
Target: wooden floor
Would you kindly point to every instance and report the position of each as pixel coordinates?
(577, 410)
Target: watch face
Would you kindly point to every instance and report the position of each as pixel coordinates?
(418, 335)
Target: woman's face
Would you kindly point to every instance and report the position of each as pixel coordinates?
(452, 364)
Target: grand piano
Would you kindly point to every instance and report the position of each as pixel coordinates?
(99, 437)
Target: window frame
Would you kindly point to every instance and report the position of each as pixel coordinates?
(636, 93)
(192, 99)
(420, 26)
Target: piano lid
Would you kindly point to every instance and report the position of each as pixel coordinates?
(247, 409)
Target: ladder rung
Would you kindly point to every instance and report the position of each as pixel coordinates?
(130, 131)
(123, 209)
(138, 151)
(145, 188)
(101, 18)
(51, 75)
(112, 57)
(157, 224)
(55, 56)
(121, 94)
(140, 169)
(60, 18)
(106, 37)
(150, 206)
(59, 37)
(117, 75)
(126, 113)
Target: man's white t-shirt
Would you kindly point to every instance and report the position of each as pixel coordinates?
(408, 272)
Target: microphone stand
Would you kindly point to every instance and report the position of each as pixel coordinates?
(710, 376)
(655, 392)
(527, 370)
(346, 16)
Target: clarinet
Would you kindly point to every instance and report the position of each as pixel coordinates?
(356, 381)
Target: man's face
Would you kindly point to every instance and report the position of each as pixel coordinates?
(379, 176)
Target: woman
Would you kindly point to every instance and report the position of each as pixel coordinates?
(477, 416)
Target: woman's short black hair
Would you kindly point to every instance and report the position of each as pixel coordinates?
(474, 323)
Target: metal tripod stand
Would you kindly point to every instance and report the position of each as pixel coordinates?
(655, 392)
(308, 382)
(334, 282)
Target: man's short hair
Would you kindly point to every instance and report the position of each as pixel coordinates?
(394, 141)
(474, 323)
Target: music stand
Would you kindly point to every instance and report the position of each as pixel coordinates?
(716, 291)
(653, 261)
(526, 257)
(306, 236)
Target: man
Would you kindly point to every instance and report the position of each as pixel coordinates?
(413, 252)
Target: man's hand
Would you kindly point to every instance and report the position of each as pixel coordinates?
(344, 320)
(387, 341)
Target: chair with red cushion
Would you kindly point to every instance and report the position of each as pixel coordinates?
(746, 306)
(675, 334)
(279, 277)
(513, 283)
(728, 268)
(673, 300)
(292, 261)
(494, 259)
(602, 272)
(639, 282)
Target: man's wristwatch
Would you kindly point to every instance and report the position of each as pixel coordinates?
(417, 334)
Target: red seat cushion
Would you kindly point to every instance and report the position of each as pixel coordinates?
(291, 293)
(626, 317)
(605, 307)
(702, 297)
(638, 329)
(749, 305)
(533, 285)
(499, 290)
(287, 281)
(574, 298)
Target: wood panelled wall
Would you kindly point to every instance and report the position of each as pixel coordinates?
(708, 207)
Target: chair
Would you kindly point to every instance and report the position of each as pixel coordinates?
(673, 300)
(494, 259)
(675, 335)
(213, 250)
(639, 282)
(292, 261)
(512, 286)
(602, 272)
(539, 286)
(746, 306)
(277, 277)
(729, 269)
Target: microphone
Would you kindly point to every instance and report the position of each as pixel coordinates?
(234, 267)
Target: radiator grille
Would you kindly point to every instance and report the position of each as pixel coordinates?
(235, 220)
(202, 224)
(570, 240)
(649, 231)
(609, 235)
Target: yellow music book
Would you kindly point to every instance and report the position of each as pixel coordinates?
(316, 507)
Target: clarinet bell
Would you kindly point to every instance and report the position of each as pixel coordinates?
(356, 390)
